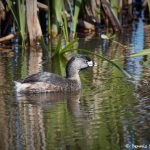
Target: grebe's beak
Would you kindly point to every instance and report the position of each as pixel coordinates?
(91, 63)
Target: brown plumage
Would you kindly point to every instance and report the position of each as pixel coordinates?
(50, 82)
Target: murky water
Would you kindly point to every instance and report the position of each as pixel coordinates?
(110, 112)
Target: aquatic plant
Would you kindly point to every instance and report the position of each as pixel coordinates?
(141, 53)
(75, 16)
(18, 11)
(60, 50)
(111, 62)
(59, 19)
(56, 16)
(99, 56)
(65, 27)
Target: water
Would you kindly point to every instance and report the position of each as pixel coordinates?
(110, 113)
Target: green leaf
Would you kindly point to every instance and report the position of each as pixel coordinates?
(76, 14)
(13, 12)
(68, 46)
(104, 58)
(141, 53)
(58, 47)
(43, 44)
(65, 28)
(19, 15)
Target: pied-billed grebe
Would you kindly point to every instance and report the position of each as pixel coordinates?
(50, 82)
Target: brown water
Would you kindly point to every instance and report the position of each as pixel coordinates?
(110, 113)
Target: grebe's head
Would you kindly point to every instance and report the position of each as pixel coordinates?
(77, 63)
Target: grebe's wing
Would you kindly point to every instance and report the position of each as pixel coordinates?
(44, 77)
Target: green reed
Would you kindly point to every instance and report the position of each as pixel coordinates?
(75, 16)
(18, 12)
(59, 19)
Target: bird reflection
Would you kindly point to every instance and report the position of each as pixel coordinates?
(32, 110)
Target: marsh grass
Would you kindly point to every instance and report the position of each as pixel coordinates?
(75, 15)
(61, 20)
(19, 14)
(56, 20)
(125, 73)
(141, 53)
(62, 49)
(49, 17)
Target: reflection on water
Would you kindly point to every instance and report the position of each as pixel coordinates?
(108, 113)
(43, 118)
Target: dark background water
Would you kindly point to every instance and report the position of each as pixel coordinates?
(110, 112)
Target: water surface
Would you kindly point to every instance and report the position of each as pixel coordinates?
(110, 112)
